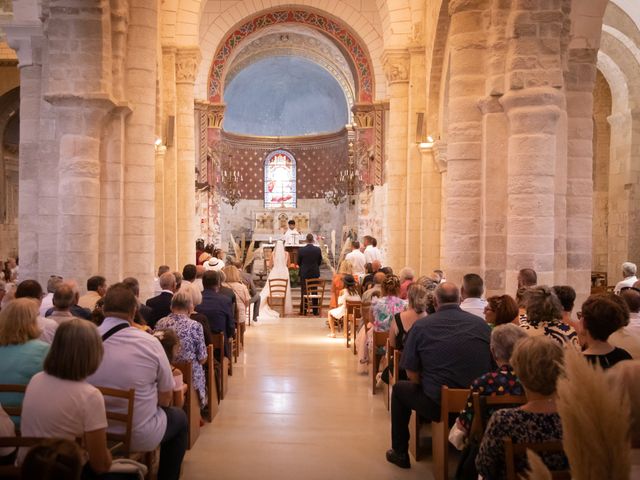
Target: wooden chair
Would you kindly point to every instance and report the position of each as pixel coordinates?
(13, 410)
(393, 358)
(120, 443)
(452, 402)
(315, 291)
(247, 314)
(353, 311)
(278, 293)
(379, 340)
(212, 388)
(11, 471)
(512, 449)
(222, 375)
(191, 402)
(481, 406)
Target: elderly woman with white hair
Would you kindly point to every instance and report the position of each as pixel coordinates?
(501, 381)
(192, 346)
(407, 276)
(537, 361)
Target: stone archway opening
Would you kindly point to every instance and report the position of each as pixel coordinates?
(9, 154)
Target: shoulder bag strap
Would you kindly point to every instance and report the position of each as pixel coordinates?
(114, 330)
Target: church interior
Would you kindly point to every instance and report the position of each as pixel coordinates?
(463, 150)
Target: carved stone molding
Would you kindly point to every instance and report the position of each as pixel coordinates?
(440, 155)
(215, 115)
(27, 41)
(396, 65)
(187, 61)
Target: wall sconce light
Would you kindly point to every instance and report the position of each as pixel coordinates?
(159, 145)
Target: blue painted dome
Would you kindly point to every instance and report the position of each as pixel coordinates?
(284, 96)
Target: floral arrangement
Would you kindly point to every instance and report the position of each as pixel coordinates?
(294, 275)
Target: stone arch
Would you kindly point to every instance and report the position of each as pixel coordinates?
(619, 62)
(341, 35)
(397, 24)
(216, 24)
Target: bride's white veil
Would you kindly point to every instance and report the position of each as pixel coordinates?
(279, 270)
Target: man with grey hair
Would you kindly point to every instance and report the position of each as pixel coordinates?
(629, 271)
(47, 302)
(501, 381)
(449, 347)
(161, 304)
(63, 300)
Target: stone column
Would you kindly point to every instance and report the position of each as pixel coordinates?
(534, 105)
(416, 242)
(27, 41)
(463, 213)
(141, 75)
(580, 85)
(396, 64)
(431, 206)
(187, 60)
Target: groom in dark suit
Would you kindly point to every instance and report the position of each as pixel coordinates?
(309, 260)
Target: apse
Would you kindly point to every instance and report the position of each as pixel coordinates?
(284, 97)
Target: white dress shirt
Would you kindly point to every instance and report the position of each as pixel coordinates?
(291, 237)
(356, 257)
(46, 304)
(135, 359)
(627, 282)
(474, 306)
(372, 253)
(48, 327)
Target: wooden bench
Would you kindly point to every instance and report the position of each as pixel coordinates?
(191, 402)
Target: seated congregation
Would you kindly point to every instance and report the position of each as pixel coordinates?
(500, 363)
(125, 384)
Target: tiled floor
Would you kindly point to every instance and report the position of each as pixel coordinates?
(297, 409)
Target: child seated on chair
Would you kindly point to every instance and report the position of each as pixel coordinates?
(349, 292)
(171, 344)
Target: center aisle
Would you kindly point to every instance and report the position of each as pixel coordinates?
(297, 409)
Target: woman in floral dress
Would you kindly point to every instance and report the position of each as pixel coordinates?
(191, 335)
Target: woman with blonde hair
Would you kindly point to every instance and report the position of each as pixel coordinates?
(60, 403)
(233, 281)
(21, 352)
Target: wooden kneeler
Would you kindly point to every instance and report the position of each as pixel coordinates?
(191, 402)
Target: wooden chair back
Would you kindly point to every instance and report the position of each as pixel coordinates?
(315, 288)
(12, 471)
(365, 311)
(453, 400)
(13, 410)
(379, 340)
(278, 293)
(353, 311)
(512, 449)
(120, 443)
(481, 406)
(191, 402)
(212, 388)
(222, 373)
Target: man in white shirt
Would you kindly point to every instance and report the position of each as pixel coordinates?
(47, 301)
(291, 236)
(471, 294)
(628, 337)
(629, 271)
(371, 251)
(134, 359)
(356, 257)
(32, 289)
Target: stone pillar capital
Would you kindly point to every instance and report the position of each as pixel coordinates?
(27, 41)
(396, 65)
(215, 115)
(187, 61)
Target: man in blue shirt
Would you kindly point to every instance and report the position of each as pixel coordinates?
(217, 307)
(449, 347)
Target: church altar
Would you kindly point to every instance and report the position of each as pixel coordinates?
(270, 224)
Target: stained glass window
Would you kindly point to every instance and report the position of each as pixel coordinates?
(280, 180)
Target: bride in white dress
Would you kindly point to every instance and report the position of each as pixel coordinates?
(280, 270)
